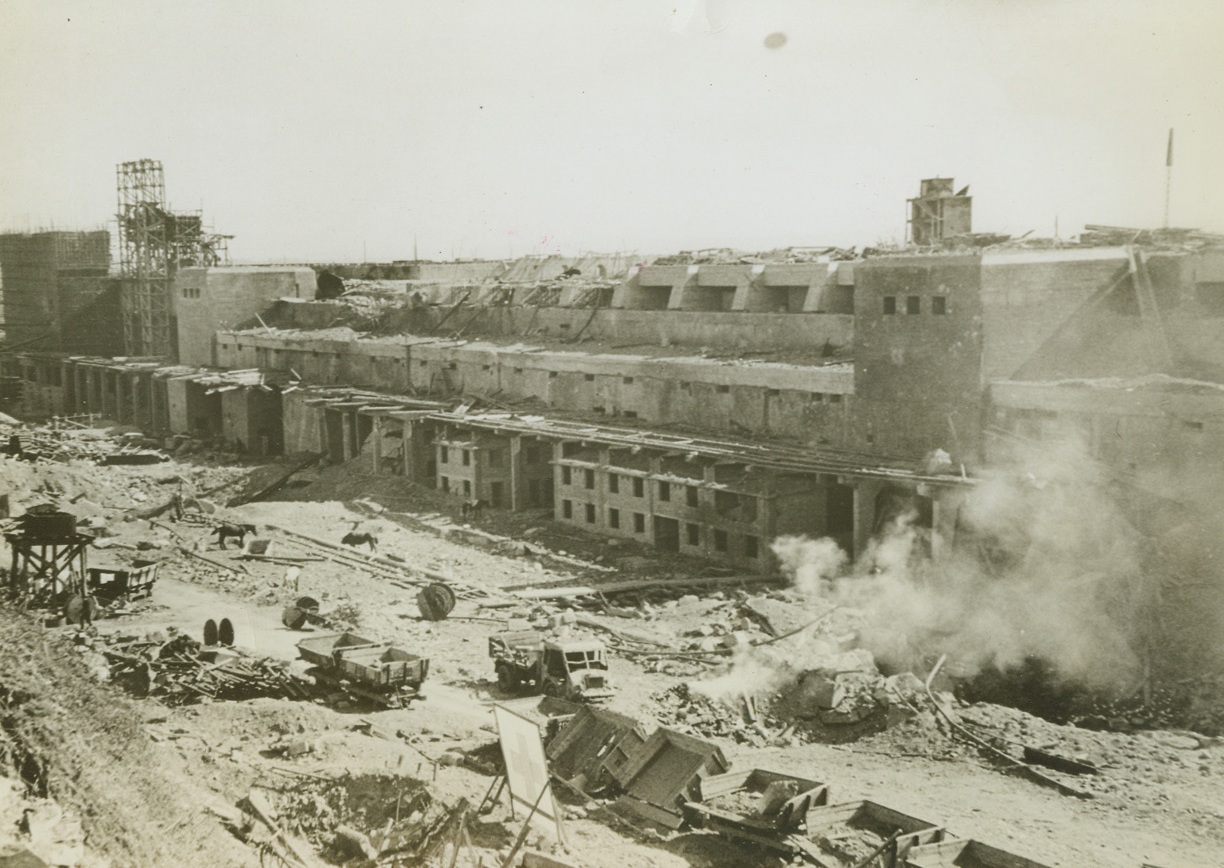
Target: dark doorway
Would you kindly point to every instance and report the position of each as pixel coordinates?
(666, 534)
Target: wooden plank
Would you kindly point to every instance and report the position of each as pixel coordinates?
(530, 592)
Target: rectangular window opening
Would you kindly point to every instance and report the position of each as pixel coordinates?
(913, 304)
(614, 518)
(694, 534)
(590, 513)
(639, 523)
(939, 305)
(664, 491)
(567, 509)
(890, 305)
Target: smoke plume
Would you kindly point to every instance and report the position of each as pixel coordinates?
(1039, 561)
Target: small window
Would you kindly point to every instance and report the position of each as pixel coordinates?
(486, 367)
(694, 534)
(690, 495)
(518, 370)
(630, 414)
(453, 366)
(467, 488)
(1193, 426)
(552, 375)
(722, 390)
(772, 393)
(835, 399)
(628, 381)
(639, 523)
(890, 305)
(588, 479)
(444, 482)
(566, 475)
(752, 547)
(567, 509)
(684, 385)
(614, 518)
(913, 304)
(423, 363)
(444, 455)
(590, 378)
(664, 491)
(467, 458)
(720, 540)
(939, 305)
(590, 513)
(639, 487)
(613, 483)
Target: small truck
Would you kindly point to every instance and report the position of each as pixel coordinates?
(571, 669)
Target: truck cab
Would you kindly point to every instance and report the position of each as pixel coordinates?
(576, 668)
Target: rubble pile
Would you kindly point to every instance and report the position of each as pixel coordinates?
(180, 671)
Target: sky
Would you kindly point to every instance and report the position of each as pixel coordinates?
(346, 131)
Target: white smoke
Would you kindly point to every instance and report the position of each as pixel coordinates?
(1055, 574)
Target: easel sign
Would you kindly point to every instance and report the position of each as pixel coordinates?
(526, 766)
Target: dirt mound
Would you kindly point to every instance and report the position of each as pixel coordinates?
(72, 740)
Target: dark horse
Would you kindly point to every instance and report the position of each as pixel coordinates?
(352, 538)
(224, 531)
(473, 509)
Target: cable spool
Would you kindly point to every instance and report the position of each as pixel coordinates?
(435, 601)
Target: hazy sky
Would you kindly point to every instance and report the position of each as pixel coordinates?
(317, 130)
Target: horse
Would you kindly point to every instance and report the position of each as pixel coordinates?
(224, 531)
(352, 538)
(473, 509)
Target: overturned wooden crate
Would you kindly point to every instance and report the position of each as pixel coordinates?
(848, 832)
(961, 853)
(762, 806)
(759, 798)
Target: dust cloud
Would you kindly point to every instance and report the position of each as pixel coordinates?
(1039, 564)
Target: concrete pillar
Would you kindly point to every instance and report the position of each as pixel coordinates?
(656, 467)
(518, 474)
(80, 398)
(748, 290)
(865, 493)
(376, 452)
(601, 488)
(677, 300)
(348, 435)
(558, 454)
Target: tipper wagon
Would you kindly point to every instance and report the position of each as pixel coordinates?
(365, 667)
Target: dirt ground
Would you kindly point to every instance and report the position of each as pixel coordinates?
(1158, 799)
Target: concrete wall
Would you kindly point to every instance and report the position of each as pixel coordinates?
(1170, 442)
(808, 402)
(790, 331)
(917, 377)
(206, 300)
(1028, 297)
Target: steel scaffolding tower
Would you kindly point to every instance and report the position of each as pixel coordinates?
(153, 244)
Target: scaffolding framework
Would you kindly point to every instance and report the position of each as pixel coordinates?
(154, 243)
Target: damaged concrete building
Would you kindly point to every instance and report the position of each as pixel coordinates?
(708, 402)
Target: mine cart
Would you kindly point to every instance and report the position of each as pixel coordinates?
(111, 584)
(363, 667)
(573, 669)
